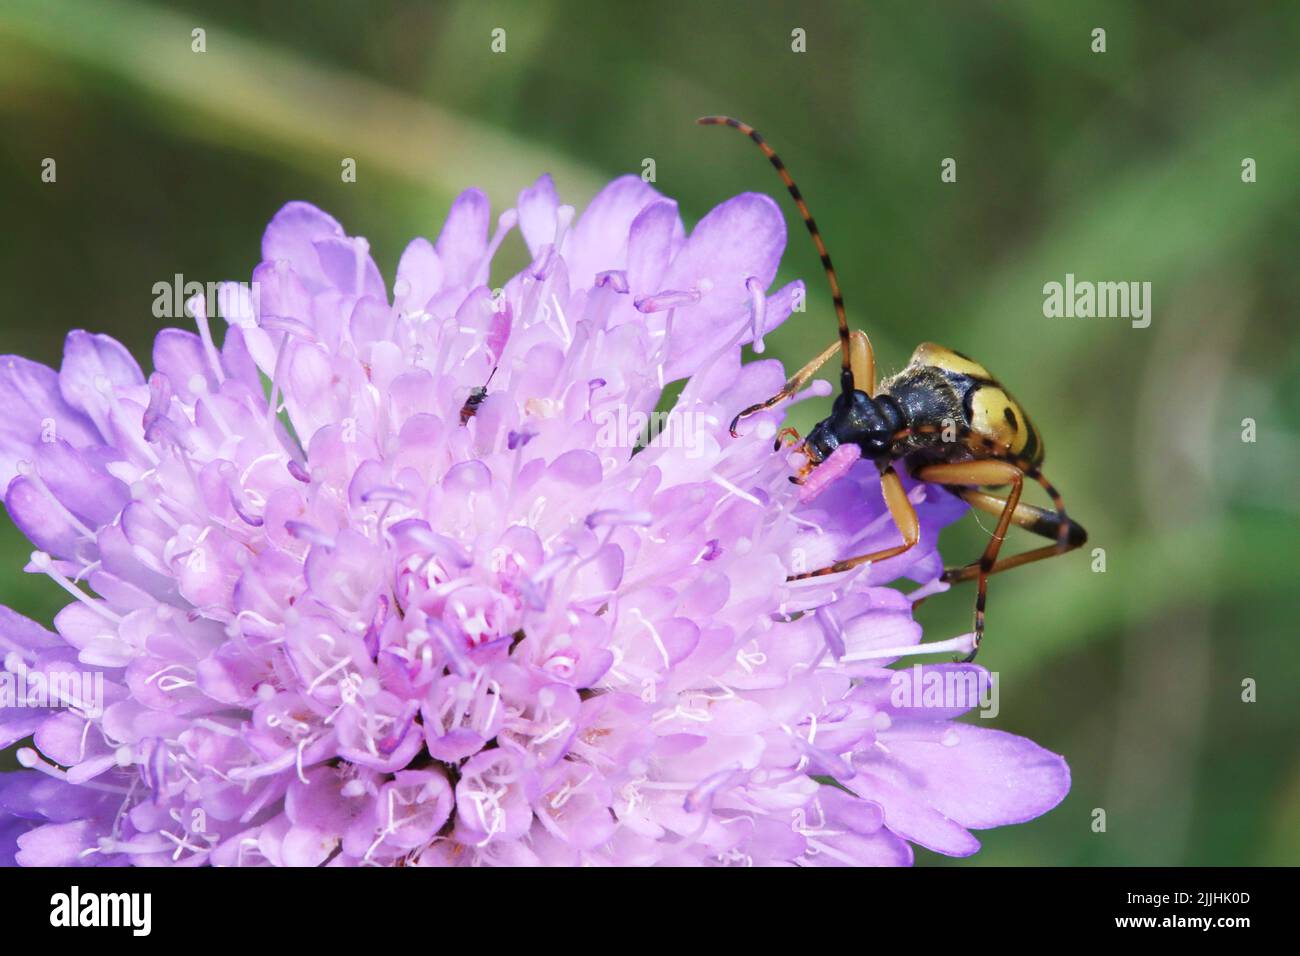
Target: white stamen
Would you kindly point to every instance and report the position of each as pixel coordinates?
(45, 565)
(961, 644)
(663, 651)
(197, 308)
(733, 489)
(28, 471)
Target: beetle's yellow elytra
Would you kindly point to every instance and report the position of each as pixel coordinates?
(936, 356)
(998, 418)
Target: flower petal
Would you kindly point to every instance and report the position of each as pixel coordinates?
(537, 206)
(463, 241)
(598, 240)
(292, 236)
(653, 239)
(739, 239)
(910, 816)
(419, 276)
(978, 776)
(90, 361)
(35, 411)
(57, 844)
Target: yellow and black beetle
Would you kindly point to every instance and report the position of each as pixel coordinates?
(943, 417)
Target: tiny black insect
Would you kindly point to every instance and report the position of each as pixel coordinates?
(475, 399)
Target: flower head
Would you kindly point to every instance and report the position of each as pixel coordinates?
(418, 575)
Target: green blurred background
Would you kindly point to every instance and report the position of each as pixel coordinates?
(1123, 165)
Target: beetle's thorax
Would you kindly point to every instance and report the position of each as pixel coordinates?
(907, 416)
(857, 419)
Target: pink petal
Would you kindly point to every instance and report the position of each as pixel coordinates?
(57, 844)
(908, 815)
(89, 361)
(419, 276)
(537, 206)
(292, 236)
(463, 241)
(741, 238)
(653, 238)
(598, 240)
(977, 776)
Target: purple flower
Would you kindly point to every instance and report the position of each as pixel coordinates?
(367, 620)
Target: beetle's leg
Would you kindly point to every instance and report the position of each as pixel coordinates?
(793, 384)
(904, 515)
(862, 362)
(1067, 533)
(786, 436)
(863, 370)
(981, 473)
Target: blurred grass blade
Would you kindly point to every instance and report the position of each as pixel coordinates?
(267, 100)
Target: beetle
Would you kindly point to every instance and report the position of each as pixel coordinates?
(944, 419)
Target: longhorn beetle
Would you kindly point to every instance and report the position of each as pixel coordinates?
(943, 417)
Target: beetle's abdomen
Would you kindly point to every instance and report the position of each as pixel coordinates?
(998, 423)
(955, 408)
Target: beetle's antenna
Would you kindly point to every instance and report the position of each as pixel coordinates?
(846, 372)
